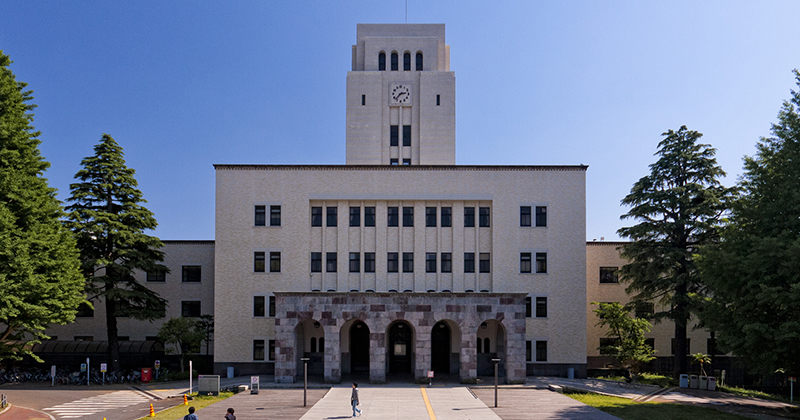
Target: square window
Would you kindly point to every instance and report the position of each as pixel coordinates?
(609, 275)
(447, 262)
(331, 220)
(644, 310)
(430, 216)
(528, 307)
(406, 135)
(258, 349)
(524, 216)
(330, 262)
(483, 216)
(274, 262)
(541, 351)
(190, 274)
(408, 262)
(447, 216)
(355, 216)
(259, 306)
(261, 216)
(393, 217)
(393, 162)
(272, 306)
(541, 216)
(406, 162)
(469, 262)
(541, 262)
(316, 262)
(156, 277)
(469, 216)
(190, 308)
(430, 262)
(524, 262)
(394, 135)
(369, 262)
(355, 262)
(369, 216)
(392, 262)
(541, 307)
(259, 262)
(316, 216)
(274, 215)
(484, 265)
(408, 216)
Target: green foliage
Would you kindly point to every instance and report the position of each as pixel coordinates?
(109, 223)
(752, 393)
(628, 333)
(629, 410)
(205, 326)
(40, 278)
(754, 273)
(701, 359)
(182, 336)
(678, 207)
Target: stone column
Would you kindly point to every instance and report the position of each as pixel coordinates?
(285, 363)
(422, 353)
(333, 352)
(469, 355)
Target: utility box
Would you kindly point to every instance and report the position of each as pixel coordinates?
(208, 385)
(147, 375)
(230, 372)
(684, 382)
(703, 382)
(712, 383)
(693, 381)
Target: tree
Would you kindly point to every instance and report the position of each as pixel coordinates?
(702, 360)
(754, 272)
(678, 206)
(40, 278)
(184, 335)
(109, 223)
(627, 334)
(205, 324)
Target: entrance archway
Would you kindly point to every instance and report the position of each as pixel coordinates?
(401, 347)
(440, 348)
(491, 345)
(359, 347)
(309, 343)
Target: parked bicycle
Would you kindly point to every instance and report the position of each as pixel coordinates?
(632, 382)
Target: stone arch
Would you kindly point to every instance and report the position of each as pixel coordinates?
(494, 338)
(401, 340)
(445, 347)
(305, 331)
(355, 346)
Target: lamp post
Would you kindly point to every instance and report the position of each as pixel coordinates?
(496, 362)
(305, 378)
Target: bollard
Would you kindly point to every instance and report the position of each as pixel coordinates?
(185, 400)
(152, 412)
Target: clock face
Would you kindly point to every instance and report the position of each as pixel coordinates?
(400, 94)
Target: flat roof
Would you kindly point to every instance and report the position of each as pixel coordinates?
(253, 167)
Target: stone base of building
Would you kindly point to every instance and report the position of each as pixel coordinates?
(245, 368)
(557, 369)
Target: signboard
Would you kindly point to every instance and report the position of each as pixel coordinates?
(253, 381)
(103, 367)
(792, 379)
(53, 371)
(83, 367)
(158, 364)
(430, 374)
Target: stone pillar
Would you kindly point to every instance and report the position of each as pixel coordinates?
(469, 355)
(285, 363)
(422, 352)
(333, 352)
(377, 356)
(515, 351)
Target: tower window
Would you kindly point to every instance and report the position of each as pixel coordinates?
(447, 216)
(355, 216)
(393, 215)
(394, 135)
(406, 135)
(363, 100)
(331, 217)
(469, 262)
(419, 61)
(406, 161)
(438, 100)
(393, 161)
(382, 61)
(469, 216)
(394, 61)
(406, 62)
(408, 216)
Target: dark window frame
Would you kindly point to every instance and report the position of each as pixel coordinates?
(408, 262)
(484, 262)
(407, 61)
(406, 136)
(430, 262)
(369, 216)
(392, 216)
(392, 262)
(316, 263)
(331, 264)
(446, 217)
(394, 135)
(191, 274)
(260, 215)
(541, 306)
(525, 263)
(541, 350)
(316, 216)
(469, 217)
(394, 61)
(272, 307)
(430, 216)
(259, 262)
(418, 61)
(275, 215)
(469, 262)
(382, 61)
(259, 306)
(274, 262)
(156, 277)
(369, 262)
(541, 262)
(608, 275)
(541, 216)
(446, 262)
(525, 218)
(191, 308)
(355, 262)
(259, 347)
(331, 216)
(484, 216)
(408, 216)
(355, 216)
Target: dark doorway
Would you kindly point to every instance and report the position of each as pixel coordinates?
(359, 347)
(400, 348)
(440, 348)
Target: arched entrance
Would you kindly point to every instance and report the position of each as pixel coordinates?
(491, 344)
(440, 348)
(309, 343)
(401, 347)
(359, 347)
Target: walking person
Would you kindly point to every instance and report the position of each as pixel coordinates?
(230, 415)
(191, 415)
(354, 400)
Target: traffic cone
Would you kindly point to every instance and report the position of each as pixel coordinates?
(152, 412)
(185, 400)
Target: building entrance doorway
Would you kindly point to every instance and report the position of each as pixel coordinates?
(400, 347)
(359, 347)
(440, 348)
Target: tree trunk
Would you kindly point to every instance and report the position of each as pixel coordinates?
(111, 329)
(681, 319)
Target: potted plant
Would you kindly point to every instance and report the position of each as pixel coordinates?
(702, 359)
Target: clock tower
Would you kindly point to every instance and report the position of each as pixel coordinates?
(400, 97)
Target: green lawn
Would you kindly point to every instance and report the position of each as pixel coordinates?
(198, 402)
(629, 410)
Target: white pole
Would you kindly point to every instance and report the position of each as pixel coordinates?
(88, 369)
(190, 376)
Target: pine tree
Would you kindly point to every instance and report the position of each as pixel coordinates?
(109, 223)
(40, 278)
(678, 207)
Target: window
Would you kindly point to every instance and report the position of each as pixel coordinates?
(418, 61)
(369, 216)
(154, 277)
(272, 306)
(541, 262)
(83, 338)
(394, 135)
(644, 310)
(84, 311)
(258, 349)
(430, 262)
(272, 349)
(331, 220)
(382, 61)
(711, 346)
(313, 344)
(430, 216)
(392, 263)
(609, 275)
(447, 216)
(528, 307)
(447, 262)
(261, 216)
(480, 345)
(484, 262)
(363, 100)
(406, 135)
(406, 162)
(541, 216)
(316, 216)
(316, 262)
(469, 262)
(438, 100)
(355, 216)
(259, 262)
(330, 262)
(528, 351)
(190, 274)
(393, 162)
(393, 217)
(688, 346)
(469, 216)
(483, 216)
(274, 262)
(650, 342)
(274, 215)
(355, 262)
(524, 262)
(607, 345)
(394, 61)
(408, 216)
(541, 351)
(369, 262)
(524, 216)
(541, 307)
(190, 308)
(408, 262)
(259, 306)
(406, 62)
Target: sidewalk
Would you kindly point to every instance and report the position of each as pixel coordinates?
(21, 413)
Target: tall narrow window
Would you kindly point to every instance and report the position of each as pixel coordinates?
(524, 262)
(430, 262)
(438, 100)
(406, 135)
(430, 216)
(528, 307)
(408, 216)
(541, 351)
(313, 344)
(483, 216)
(541, 216)
(541, 307)
(261, 216)
(394, 61)
(330, 262)
(469, 262)
(447, 216)
(369, 216)
(258, 349)
(259, 306)
(393, 217)
(382, 61)
(355, 216)
(406, 62)
(272, 306)
(469, 216)
(394, 135)
(259, 262)
(271, 350)
(524, 216)
(485, 263)
(316, 262)
(274, 262)
(418, 61)
(447, 262)
(355, 262)
(528, 351)
(331, 220)
(369, 262)
(392, 262)
(363, 100)
(541, 262)
(408, 262)
(274, 215)
(316, 216)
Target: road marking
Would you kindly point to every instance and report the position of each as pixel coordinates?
(427, 403)
(92, 405)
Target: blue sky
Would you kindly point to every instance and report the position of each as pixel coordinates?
(182, 85)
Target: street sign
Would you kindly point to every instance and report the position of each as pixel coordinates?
(83, 367)
(103, 367)
(254, 388)
(430, 374)
(792, 379)
(158, 364)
